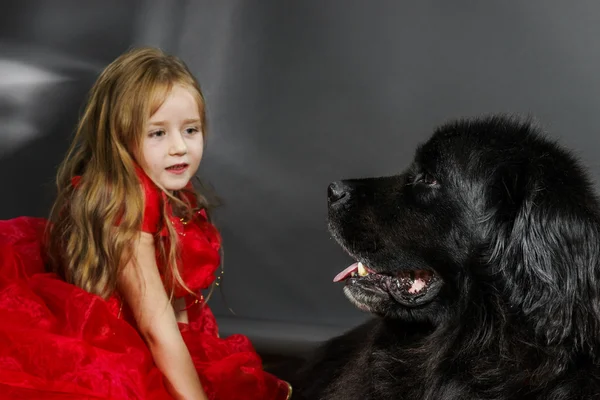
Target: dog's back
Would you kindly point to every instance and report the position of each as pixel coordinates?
(376, 362)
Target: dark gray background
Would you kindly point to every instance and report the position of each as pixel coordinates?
(299, 93)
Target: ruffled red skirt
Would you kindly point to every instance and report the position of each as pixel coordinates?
(59, 341)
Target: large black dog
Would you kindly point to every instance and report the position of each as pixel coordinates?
(482, 265)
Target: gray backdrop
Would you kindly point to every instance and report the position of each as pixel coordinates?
(299, 93)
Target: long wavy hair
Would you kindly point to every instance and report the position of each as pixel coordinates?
(92, 226)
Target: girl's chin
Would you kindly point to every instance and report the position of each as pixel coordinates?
(175, 184)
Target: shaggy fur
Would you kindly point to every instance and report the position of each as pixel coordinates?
(503, 226)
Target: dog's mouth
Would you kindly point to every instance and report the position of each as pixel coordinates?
(410, 288)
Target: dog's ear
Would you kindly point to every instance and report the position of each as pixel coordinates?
(548, 257)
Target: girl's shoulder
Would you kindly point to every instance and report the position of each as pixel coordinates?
(153, 203)
(153, 200)
(156, 202)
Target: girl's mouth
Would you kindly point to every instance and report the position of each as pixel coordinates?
(177, 168)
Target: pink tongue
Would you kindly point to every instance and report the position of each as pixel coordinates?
(346, 273)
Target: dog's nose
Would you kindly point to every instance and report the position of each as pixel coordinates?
(336, 192)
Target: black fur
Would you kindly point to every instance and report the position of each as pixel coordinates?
(510, 225)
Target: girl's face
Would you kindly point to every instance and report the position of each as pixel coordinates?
(173, 143)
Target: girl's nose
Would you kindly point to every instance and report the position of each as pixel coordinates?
(177, 145)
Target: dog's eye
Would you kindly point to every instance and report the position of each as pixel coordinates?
(426, 179)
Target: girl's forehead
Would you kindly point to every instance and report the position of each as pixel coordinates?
(179, 105)
(165, 93)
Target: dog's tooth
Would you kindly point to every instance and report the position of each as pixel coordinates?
(362, 271)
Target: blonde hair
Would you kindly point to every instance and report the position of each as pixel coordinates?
(91, 227)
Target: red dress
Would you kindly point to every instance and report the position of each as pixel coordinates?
(59, 341)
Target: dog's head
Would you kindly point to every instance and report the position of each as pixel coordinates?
(490, 212)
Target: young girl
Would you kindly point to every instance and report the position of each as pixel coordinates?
(103, 301)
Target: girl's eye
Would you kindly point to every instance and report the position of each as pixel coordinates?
(192, 130)
(158, 133)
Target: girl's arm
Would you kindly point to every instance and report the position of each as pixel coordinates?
(180, 311)
(143, 290)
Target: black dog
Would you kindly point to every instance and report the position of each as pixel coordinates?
(482, 265)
